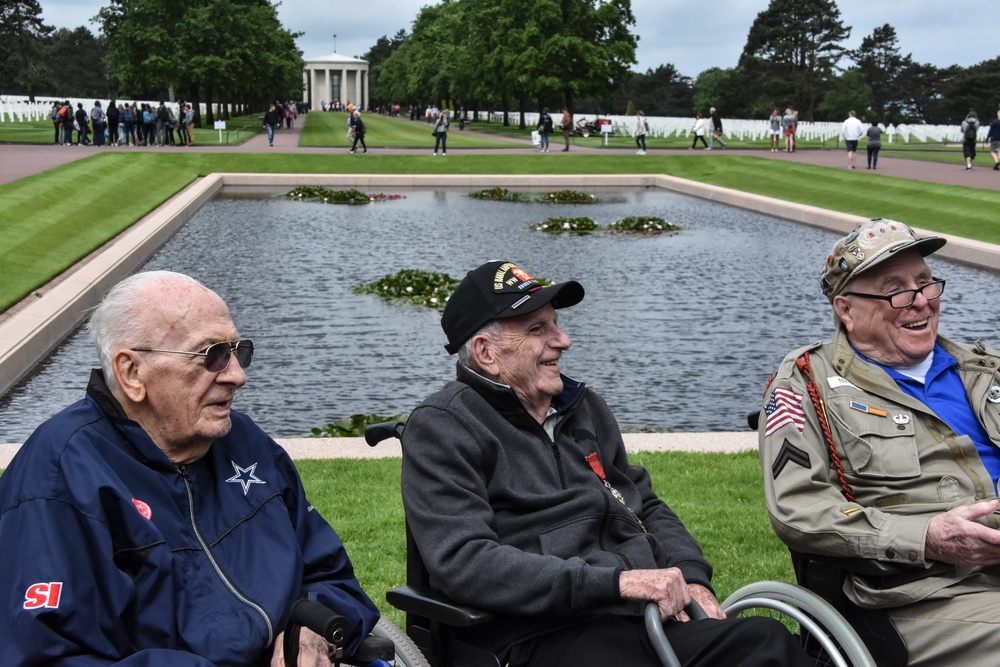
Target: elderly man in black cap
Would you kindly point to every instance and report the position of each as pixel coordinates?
(884, 444)
(521, 499)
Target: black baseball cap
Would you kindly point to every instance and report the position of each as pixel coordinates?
(496, 290)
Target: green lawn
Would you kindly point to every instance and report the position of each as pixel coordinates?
(330, 130)
(720, 497)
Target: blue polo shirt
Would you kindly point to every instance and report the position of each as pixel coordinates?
(943, 392)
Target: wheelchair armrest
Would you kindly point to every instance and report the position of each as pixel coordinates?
(866, 567)
(374, 648)
(434, 605)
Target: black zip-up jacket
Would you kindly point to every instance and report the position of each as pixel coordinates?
(509, 520)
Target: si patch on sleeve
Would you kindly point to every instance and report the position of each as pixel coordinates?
(788, 453)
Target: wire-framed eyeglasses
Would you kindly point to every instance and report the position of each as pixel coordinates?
(905, 298)
(218, 355)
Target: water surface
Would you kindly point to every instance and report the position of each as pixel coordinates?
(676, 332)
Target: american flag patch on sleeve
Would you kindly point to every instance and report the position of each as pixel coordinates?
(784, 407)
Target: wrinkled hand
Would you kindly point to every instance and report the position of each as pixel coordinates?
(707, 600)
(312, 651)
(666, 588)
(955, 537)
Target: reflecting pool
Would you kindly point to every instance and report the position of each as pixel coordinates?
(676, 332)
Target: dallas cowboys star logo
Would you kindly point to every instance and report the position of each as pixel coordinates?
(245, 476)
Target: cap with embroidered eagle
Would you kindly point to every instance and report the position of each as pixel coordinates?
(496, 290)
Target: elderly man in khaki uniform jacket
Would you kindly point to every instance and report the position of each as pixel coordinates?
(884, 443)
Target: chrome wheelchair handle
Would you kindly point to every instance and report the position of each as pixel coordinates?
(654, 628)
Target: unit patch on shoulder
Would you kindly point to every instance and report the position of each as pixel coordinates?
(789, 453)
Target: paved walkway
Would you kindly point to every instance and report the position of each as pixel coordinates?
(20, 161)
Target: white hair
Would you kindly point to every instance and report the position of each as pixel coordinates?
(491, 329)
(118, 320)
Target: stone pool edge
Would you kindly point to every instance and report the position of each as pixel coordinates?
(45, 318)
(356, 448)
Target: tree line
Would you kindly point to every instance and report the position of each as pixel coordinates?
(501, 55)
(497, 55)
(507, 54)
(233, 52)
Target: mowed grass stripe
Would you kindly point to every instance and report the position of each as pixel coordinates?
(330, 130)
(52, 220)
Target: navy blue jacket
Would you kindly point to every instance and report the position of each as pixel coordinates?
(112, 555)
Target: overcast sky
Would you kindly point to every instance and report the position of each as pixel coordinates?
(693, 36)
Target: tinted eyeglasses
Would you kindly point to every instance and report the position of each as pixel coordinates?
(218, 355)
(906, 297)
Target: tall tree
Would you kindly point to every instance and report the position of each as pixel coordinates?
(582, 48)
(78, 63)
(884, 68)
(708, 89)
(850, 92)
(422, 69)
(660, 92)
(972, 88)
(792, 52)
(376, 56)
(545, 51)
(927, 87)
(22, 69)
(231, 50)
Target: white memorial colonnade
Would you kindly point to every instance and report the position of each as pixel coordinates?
(335, 78)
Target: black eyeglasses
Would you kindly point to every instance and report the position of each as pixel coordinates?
(906, 297)
(218, 355)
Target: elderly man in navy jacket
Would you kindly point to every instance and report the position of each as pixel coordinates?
(150, 524)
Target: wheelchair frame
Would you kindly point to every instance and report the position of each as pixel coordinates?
(433, 621)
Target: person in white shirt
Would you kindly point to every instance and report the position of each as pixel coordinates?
(852, 131)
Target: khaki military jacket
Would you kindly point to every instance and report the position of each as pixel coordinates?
(903, 464)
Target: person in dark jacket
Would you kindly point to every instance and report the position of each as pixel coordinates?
(993, 136)
(149, 523)
(99, 122)
(359, 130)
(716, 134)
(521, 499)
(272, 119)
(81, 122)
(113, 119)
(969, 129)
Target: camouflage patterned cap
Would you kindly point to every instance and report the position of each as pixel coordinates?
(871, 242)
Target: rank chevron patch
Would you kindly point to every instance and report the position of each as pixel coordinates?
(788, 453)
